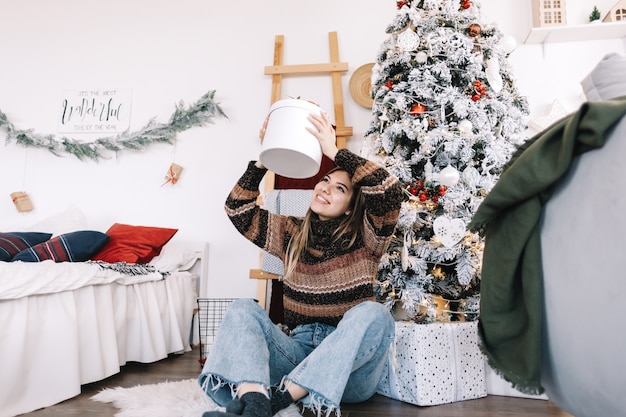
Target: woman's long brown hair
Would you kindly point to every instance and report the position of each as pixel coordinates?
(350, 224)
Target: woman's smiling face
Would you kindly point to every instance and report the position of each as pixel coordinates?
(332, 195)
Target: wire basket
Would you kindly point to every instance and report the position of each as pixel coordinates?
(210, 314)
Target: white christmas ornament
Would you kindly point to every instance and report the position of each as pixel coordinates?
(449, 231)
(408, 40)
(405, 251)
(421, 57)
(428, 171)
(449, 176)
(493, 74)
(471, 176)
(508, 43)
(465, 126)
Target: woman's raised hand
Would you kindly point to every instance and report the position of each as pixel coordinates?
(325, 134)
(258, 164)
(263, 129)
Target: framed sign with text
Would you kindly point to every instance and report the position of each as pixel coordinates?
(95, 111)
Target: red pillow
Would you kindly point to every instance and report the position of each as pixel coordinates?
(133, 244)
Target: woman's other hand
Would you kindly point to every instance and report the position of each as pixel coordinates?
(325, 134)
(263, 129)
(258, 164)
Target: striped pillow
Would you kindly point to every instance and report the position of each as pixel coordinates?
(77, 246)
(13, 243)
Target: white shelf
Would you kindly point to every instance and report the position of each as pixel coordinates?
(586, 32)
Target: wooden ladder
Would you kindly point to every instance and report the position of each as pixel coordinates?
(334, 68)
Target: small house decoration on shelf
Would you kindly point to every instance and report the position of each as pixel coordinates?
(548, 13)
(617, 12)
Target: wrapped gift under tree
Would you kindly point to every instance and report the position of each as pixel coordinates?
(435, 363)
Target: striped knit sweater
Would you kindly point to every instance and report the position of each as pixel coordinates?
(329, 279)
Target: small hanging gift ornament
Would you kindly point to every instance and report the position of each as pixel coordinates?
(173, 174)
(22, 201)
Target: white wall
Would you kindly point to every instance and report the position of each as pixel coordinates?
(169, 51)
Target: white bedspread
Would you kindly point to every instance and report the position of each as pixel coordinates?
(52, 344)
(21, 279)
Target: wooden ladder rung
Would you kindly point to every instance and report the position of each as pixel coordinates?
(307, 68)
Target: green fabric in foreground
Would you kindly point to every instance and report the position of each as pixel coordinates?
(511, 310)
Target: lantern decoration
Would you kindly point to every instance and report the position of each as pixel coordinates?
(473, 30)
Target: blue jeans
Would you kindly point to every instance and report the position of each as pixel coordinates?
(333, 364)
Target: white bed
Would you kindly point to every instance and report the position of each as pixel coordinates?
(68, 324)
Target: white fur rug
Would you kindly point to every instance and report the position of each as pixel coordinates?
(166, 399)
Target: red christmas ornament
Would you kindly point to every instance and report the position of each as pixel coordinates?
(423, 197)
(476, 97)
(473, 30)
(466, 4)
(417, 108)
(442, 190)
(414, 190)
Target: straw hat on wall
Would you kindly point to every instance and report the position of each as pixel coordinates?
(361, 85)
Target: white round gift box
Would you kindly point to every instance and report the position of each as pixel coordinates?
(288, 149)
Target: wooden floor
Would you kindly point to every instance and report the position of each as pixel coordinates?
(178, 367)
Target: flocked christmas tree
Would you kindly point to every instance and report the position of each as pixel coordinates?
(447, 116)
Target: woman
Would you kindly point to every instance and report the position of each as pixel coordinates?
(339, 336)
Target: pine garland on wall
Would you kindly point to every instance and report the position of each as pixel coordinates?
(184, 117)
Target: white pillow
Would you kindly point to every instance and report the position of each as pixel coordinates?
(177, 256)
(70, 220)
(607, 80)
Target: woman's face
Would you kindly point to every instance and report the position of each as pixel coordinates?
(332, 195)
